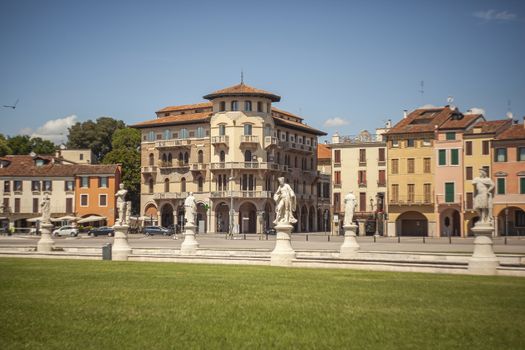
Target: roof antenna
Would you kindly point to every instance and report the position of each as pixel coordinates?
(242, 77)
(509, 110)
(422, 90)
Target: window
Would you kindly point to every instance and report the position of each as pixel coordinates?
(487, 169)
(362, 156)
(395, 143)
(449, 192)
(235, 105)
(17, 184)
(69, 185)
(410, 165)
(200, 132)
(500, 185)
(7, 186)
(150, 186)
(183, 184)
(521, 154)
(247, 129)
(519, 217)
(222, 157)
(362, 201)
(382, 178)
(427, 142)
(501, 155)
(337, 202)
(248, 106)
(337, 156)
(410, 142)
(450, 135)
(17, 205)
(103, 200)
(222, 129)
(167, 134)
(84, 182)
(166, 185)
(395, 193)
(361, 177)
(454, 156)
(469, 173)
(183, 133)
(468, 148)
(382, 155)
(522, 185)
(35, 186)
(248, 156)
(222, 106)
(411, 193)
(69, 205)
(426, 165)
(442, 156)
(485, 148)
(48, 185)
(186, 157)
(83, 200)
(151, 136)
(259, 106)
(81, 156)
(395, 166)
(151, 159)
(103, 182)
(35, 205)
(470, 201)
(200, 156)
(200, 184)
(427, 190)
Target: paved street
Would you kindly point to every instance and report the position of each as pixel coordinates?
(312, 241)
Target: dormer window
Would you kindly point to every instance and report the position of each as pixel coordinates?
(235, 105)
(39, 162)
(247, 106)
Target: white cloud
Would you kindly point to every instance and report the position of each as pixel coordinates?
(334, 122)
(55, 130)
(493, 15)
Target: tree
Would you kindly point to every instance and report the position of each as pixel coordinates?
(40, 146)
(96, 136)
(125, 144)
(4, 147)
(20, 144)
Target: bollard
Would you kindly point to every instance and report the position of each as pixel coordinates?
(106, 251)
(449, 239)
(307, 238)
(245, 236)
(423, 239)
(374, 238)
(398, 239)
(266, 236)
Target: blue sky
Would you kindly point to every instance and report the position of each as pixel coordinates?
(360, 61)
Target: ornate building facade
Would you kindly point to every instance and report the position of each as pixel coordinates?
(229, 152)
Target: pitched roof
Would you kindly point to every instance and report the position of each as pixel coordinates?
(297, 125)
(185, 107)
(175, 119)
(461, 123)
(422, 120)
(286, 113)
(323, 152)
(24, 166)
(514, 132)
(242, 90)
(488, 127)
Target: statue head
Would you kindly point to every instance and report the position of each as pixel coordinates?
(121, 186)
(483, 172)
(281, 180)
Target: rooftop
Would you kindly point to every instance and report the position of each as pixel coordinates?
(323, 151)
(185, 107)
(514, 132)
(242, 90)
(423, 120)
(488, 127)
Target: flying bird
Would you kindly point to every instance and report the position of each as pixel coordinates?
(13, 106)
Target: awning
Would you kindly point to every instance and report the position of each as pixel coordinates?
(65, 218)
(92, 218)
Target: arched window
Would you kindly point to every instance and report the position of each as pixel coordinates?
(164, 158)
(247, 129)
(150, 186)
(218, 184)
(259, 106)
(200, 156)
(222, 129)
(248, 106)
(186, 158)
(200, 183)
(166, 185)
(222, 157)
(235, 105)
(183, 184)
(167, 134)
(151, 136)
(151, 159)
(248, 156)
(267, 130)
(183, 133)
(222, 106)
(181, 158)
(170, 158)
(200, 132)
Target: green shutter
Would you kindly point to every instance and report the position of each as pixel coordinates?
(522, 185)
(449, 192)
(451, 135)
(501, 185)
(454, 157)
(442, 157)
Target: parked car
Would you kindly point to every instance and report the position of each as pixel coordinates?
(103, 230)
(66, 231)
(156, 230)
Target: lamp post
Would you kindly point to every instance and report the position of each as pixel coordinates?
(506, 224)
(230, 233)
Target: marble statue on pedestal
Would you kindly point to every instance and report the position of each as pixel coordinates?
(350, 204)
(190, 209)
(286, 202)
(46, 210)
(121, 204)
(484, 186)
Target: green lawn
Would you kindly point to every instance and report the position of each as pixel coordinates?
(63, 304)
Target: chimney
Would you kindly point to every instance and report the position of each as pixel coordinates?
(405, 113)
(524, 121)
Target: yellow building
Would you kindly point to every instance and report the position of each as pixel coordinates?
(478, 154)
(229, 152)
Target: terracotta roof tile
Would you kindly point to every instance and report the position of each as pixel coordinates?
(242, 89)
(297, 125)
(514, 132)
(24, 166)
(185, 107)
(175, 119)
(489, 127)
(462, 123)
(323, 151)
(421, 120)
(286, 113)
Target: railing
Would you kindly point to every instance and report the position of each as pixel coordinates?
(249, 139)
(174, 164)
(241, 194)
(172, 143)
(296, 146)
(408, 199)
(361, 184)
(198, 166)
(217, 140)
(149, 169)
(270, 141)
(246, 165)
(170, 195)
(381, 183)
(444, 199)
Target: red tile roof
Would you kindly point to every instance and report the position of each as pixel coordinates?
(461, 123)
(422, 120)
(24, 166)
(175, 119)
(297, 125)
(242, 90)
(286, 113)
(185, 107)
(323, 152)
(489, 127)
(514, 132)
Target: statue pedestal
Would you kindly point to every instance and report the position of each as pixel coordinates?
(350, 247)
(46, 243)
(121, 248)
(483, 260)
(283, 253)
(190, 244)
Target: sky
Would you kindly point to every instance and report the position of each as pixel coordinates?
(344, 66)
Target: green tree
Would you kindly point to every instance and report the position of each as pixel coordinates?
(40, 146)
(20, 144)
(96, 136)
(125, 144)
(4, 147)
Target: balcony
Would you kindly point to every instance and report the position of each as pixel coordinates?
(381, 183)
(174, 143)
(299, 147)
(443, 199)
(198, 166)
(149, 169)
(361, 184)
(409, 199)
(220, 140)
(249, 140)
(173, 165)
(270, 141)
(241, 194)
(170, 195)
(246, 165)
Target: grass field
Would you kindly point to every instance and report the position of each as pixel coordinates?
(69, 304)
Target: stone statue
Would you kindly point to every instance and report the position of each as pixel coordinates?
(286, 202)
(350, 203)
(46, 210)
(121, 204)
(190, 209)
(128, 212)
(484, 186)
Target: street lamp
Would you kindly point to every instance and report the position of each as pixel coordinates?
(230, 233)
(506, 224)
